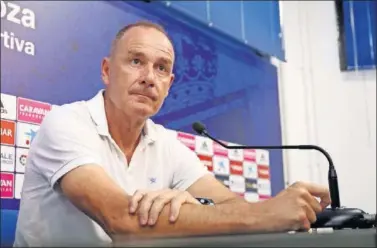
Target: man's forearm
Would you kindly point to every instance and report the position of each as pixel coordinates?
(236, 199)
(198, 220)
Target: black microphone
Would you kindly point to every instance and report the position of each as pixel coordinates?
(332, 177)
(335, 217)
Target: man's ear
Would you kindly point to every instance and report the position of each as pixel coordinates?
(105, 70)
(170, 84)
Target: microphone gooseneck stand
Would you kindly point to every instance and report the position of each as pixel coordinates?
(336, 217)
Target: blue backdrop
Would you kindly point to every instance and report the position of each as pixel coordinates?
(218, 81)
(357, 25)
(255, 23)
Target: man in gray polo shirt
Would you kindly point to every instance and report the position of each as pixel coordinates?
(101, 168)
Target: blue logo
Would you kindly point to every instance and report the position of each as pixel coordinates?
(31, 134)
(152, 180)
(222, 165)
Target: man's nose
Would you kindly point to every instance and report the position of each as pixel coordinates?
(149, 76)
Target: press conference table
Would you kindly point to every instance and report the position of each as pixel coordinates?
(336, 238)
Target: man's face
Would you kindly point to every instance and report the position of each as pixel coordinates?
(138, 74)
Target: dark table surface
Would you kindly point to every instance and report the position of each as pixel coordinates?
(320, 238)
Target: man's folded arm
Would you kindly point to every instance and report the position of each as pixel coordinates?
(92, 191)
(66, 154)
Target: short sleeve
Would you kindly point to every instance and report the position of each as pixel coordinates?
(187, 166)
(65, 140)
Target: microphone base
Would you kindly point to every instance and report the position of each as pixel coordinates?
(342, 218)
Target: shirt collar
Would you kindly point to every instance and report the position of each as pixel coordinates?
(96, 107)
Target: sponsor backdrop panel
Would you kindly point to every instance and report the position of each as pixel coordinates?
(241, 171)
(49, 59)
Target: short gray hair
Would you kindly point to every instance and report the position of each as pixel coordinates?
(145, 24)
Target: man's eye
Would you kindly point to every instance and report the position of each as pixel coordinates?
(135, 61)
(162, 68)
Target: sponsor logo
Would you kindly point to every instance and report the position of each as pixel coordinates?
(203, 146)
(7, 158)
(3, 110)
(251, 196)
(152, 180)
(262, 157)
(31, 111)
(249, 154)
(220, 165)
(263, 171)
(219, 150)
(31, 135)
(251, 185)
(207, 161)
(237, 183)
(21, 159)
(264, 187)
(187, 139)
(7, 132)
(223, 179)
(235, 154)
(236, 168)
(7, 185)
(26, 133)
(8, 104)
(250, 169)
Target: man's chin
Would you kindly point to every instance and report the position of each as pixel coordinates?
(142, 111)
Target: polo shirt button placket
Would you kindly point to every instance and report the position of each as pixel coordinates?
(122, 159)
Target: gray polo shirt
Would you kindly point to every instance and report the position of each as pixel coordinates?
(75, 134)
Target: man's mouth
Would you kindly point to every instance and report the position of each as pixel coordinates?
(145, 95)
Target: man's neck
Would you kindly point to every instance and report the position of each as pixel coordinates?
(125, 130)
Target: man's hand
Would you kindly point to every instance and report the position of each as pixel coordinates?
(296, 207)
(151, 203)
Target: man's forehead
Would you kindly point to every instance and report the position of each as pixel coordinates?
(141, 37)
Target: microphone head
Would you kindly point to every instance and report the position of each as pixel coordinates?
(198, 127)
